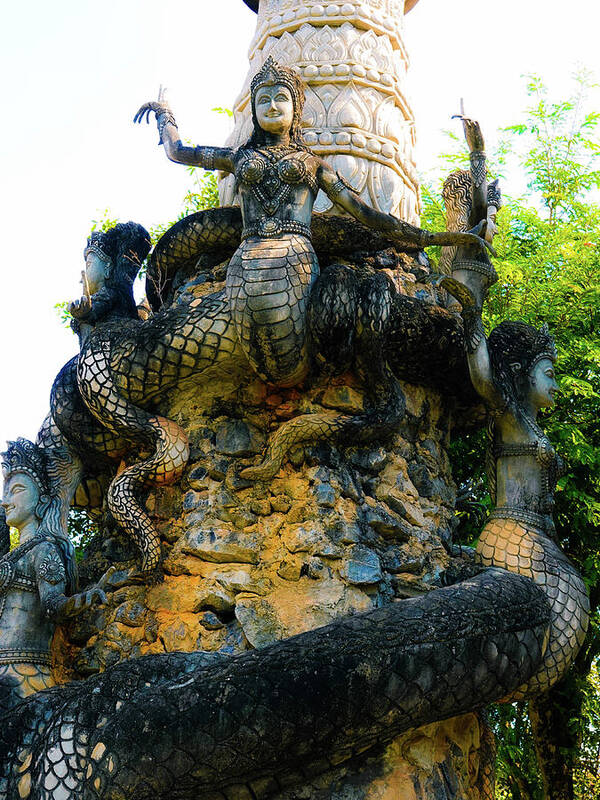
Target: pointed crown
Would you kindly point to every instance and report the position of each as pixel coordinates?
(544, 346)
(272, 74)
(94, 245)
(26, 457)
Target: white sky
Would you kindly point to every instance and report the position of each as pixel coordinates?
(75, 71)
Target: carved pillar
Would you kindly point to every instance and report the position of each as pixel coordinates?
(352, 56)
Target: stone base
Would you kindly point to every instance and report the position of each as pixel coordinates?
(435, 762)
(338, 531)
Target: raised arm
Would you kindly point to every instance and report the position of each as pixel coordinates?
(340, 193)
(206, 157)
(478, 356)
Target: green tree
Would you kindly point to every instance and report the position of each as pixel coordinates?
(548, 272)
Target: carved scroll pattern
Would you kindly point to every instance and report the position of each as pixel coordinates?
(352, 57)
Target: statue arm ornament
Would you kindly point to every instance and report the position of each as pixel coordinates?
(344, 196)
(52, 583)
(221, 158)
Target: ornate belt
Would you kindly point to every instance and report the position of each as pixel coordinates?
(40, 657)
(518, 514)
(272, 227)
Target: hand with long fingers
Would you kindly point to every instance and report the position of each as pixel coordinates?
(78, 602)
(160, 106)
(80, 308)
(473, 133)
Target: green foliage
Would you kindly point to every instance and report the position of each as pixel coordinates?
(104, 223)
(587, 768)
(14, 538)
(548, 272)
(82, 529)
(203, 194)
(517, 773)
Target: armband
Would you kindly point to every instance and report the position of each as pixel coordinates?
(52, 570)
(478, 171)
(208, 157)
(163, 119)
(339, 186)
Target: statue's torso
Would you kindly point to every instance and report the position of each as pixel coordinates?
(25, 629)
(527, 469)
(275, 186)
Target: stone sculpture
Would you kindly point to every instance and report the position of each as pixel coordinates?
(38, 578)
(304, 706)
(316, 714)
(113, 258)
(513, 371)
(260, 319)
(354, 61)
(468, 196)
(112, 261)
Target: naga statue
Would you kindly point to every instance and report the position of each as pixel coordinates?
(210, 726)
(513, 372)
(38, 578)
(270, 313)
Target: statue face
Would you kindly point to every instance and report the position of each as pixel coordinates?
(274, 109)
(542, 384)
(96, 271)
(21, 497)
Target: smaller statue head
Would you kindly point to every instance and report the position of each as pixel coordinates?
(32, 497)
(113, 258)
(523, 360)
(26, 488)
(277, 95)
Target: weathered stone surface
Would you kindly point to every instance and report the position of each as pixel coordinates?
(236, 438)
(344, 398)
(336, 532)
(220, 545)
(362, 566)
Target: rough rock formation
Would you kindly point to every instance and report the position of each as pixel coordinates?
(336, 532)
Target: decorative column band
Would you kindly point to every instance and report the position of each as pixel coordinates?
(340, 73)
(359, 15)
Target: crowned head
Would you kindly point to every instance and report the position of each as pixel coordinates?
(523, 359)
(33, 496)
(27, 490)
(274, 88)
(115, 256)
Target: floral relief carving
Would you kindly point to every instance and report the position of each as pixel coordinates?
(353, 61)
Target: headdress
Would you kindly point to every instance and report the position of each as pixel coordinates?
(51, 471)
(515, 348)
(123, 246)
(26, 457)
(94, 245)
(273, 74)
(543, 346)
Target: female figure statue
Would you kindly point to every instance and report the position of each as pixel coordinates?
(513, 372)
(112, 261)
(259, 320)
(270, 276)
(39, 577)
